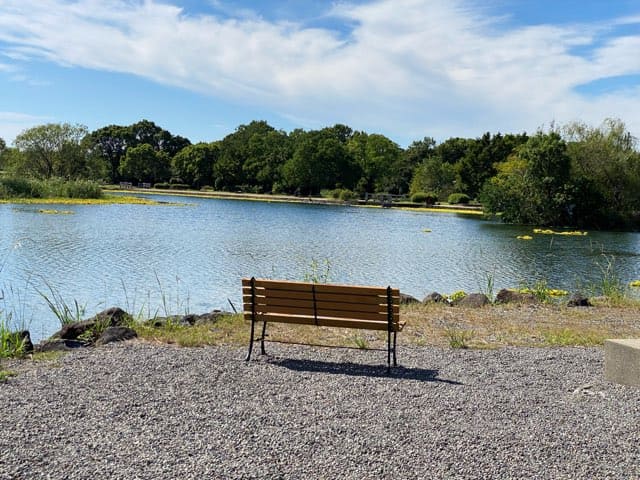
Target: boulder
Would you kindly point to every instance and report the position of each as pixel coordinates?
(25, 338)
(116, 334)
(473, 300)
(407, 299)
(58, 345)
(112, 317)
(512, 296)
(434, 297)
(578, 300)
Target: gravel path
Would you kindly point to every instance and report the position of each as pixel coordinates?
(145, 411)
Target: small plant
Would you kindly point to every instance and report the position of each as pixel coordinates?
(64, 312)
(428, 198)
(458, 337)
(5, 375)
(12, 344)
(610, 284)
(360, 342)
(455, 296)
(458, 198)
(318, 273)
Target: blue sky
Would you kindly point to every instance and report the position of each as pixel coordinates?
(403, 68)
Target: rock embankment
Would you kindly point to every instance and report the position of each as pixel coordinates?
(135, 410)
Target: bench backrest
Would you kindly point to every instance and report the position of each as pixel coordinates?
(371, 308)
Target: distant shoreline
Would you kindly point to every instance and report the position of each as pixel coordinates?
(261, 197)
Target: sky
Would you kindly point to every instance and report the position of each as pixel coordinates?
(406, 69)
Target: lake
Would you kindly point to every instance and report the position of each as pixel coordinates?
(175, 259)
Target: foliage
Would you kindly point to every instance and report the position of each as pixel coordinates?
(428, 198)
(458, 337)
(64, 312)
(318, 272)
(434, 175)
(13, 187)
(194, 163)
(144, 164)
(51, 150)
(12, 344)
(456, 198)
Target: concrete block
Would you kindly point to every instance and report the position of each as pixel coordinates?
(622, 361)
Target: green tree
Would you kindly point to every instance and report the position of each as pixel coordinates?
(51, 150)
(321, 160)
(194, 163)
(144, 164)
(606, 160)
(533, 186)
(109, 144)
(377, 158)
(434, 175)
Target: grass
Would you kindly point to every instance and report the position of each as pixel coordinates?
(105, 200)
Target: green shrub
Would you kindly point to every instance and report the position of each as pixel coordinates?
(456, 198)
(179, 186)
(53, 187)
(428, 198)
(207, 188)
(346, 195)
(161, 185)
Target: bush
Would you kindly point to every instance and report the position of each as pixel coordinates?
(161, 185)
(429, 198)
(456, 198)
(179, 186)
(346, 195)
(53, 187)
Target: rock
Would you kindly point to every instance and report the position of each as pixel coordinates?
(434, 297)
(211, 317)
(116, 334)
(71, 331)
(512, 296)
(473, 300)
(407, 299)
(25, 338)
(112, 317)
(58, 345)
(578, 300)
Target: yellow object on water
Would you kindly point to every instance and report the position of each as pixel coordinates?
(635, 283)
(524, 237)
(426, 230)
(55, 212)
(542, 231)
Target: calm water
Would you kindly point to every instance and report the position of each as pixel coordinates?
(157, 259)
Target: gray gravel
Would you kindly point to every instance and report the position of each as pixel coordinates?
(145, 411)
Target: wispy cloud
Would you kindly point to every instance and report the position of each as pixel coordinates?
(13, 123)
(408, 67)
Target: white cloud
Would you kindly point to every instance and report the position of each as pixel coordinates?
(13, 123)
(408, 68)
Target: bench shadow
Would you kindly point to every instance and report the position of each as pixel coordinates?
(359, 370)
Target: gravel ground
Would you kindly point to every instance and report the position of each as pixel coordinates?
(142, 411)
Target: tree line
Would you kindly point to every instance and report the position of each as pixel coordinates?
(574, 175)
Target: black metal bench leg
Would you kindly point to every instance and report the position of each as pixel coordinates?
(251, 340)
(395, 361)
(388, 351)
(264, 332)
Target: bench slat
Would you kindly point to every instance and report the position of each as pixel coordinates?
(327, 322)
(328, 305)
(309, 311)
(319, 287)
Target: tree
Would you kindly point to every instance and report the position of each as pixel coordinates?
(321, 160)
(434, 175)
(109, 144)
(533, 186)
(194, 163)
(161, 140)
(606, 159)
(144, 164)
(51, 150)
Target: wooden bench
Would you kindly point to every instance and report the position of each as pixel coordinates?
(323, 305)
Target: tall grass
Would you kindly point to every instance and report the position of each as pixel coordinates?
(20, 187)
(65, 313)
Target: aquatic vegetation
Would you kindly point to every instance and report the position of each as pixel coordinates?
(524, 237)
(576, 233)
(105, 200)
(457, 295)
(635, 284)
(426, 230)
(48, 211)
